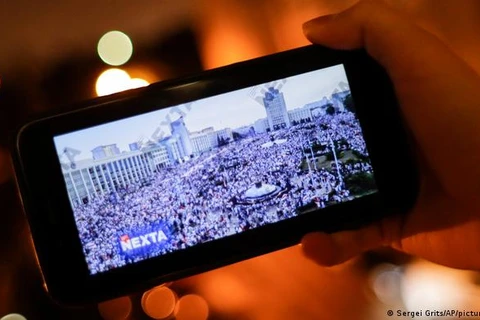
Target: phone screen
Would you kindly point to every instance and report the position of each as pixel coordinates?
(163, 181)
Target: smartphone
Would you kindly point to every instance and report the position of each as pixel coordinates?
(150, 185)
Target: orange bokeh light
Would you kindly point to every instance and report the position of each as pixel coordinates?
(159, 303)
(191, 307)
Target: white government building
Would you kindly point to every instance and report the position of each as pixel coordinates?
(208, 139)
(110, 170)
(92, 178)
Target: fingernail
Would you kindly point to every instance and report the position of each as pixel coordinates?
(307, 26)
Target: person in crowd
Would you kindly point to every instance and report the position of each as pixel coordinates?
(204, 199)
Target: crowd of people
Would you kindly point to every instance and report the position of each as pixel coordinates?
(203, 199)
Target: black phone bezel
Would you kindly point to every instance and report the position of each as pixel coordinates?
(53, 229)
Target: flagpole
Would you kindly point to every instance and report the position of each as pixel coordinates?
(336, 160)
(313, 156)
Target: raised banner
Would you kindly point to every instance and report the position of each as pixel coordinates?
(145, 241)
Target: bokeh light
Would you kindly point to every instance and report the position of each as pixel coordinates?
(429, 286)
(13, 316)
(115, 48)
(116, 309)
(115, 80)
(112, 81)
(191, 307)
(159, 303)
(385, 281)
(137, 83)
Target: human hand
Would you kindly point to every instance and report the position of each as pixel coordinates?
(440, 100)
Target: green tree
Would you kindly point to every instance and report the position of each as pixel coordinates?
(360, 183)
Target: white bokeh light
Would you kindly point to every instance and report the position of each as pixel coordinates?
(115, 48)
(427, 286)
(13, 316)
(112, 81)
(137, 83)
(385, 281)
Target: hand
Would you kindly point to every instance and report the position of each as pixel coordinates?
(440, 99)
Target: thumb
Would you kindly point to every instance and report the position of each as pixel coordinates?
(331, 249)
(438, 92)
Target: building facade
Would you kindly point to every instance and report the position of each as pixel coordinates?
(102, 152)
(225, 134)
(179, 131)
(159, 155)
(174, 149)
(276, 109)
(203, 141)
(208, 139)
(300, 114)
(95, 178)
(134, 146)
(261, 125)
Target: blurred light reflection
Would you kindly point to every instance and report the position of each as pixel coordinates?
(191, 307)
(112, 81)
(13, 316)
(159, 303)
(385, 281)
(117, 80)
(137, 83)
(115, 48)
(429, 286)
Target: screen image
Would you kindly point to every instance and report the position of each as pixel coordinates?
(163, 181)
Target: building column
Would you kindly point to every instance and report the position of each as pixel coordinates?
(118, 166)
(104, 178)
(147, 167)
(137, 167)
(98, 181)
(132, 168)
(151, 163)
(84, 184)
(91, 180)
(112, 185)
(74, 186)
(125, 170)
(142, 166)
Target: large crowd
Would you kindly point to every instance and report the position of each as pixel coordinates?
(202, 199)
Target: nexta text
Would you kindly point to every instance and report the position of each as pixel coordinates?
(141, 241)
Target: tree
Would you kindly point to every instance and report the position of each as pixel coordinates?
(236, 136)
(360, 183)
(330, 110)
(348, 103)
